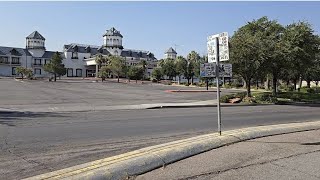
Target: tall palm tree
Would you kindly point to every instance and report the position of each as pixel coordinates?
(101, 60)
(193, 57)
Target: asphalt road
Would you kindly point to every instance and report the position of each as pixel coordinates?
(36, 143)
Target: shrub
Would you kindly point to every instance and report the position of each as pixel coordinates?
(202, 84)
(241, 95)
(228, 86)
(296, 97)
(226, 98)
(236, 84)
(266, 98)
(249, 100)
(284, 87)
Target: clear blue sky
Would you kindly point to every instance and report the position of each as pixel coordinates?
(153, 26)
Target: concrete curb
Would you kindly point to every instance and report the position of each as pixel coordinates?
(141, 161)
(193, 91)
(207, 105)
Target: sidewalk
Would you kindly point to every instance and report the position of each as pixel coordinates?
(288, 156)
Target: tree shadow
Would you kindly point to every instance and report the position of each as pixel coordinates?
(299, 104)
(314, 143)
(283, 142)
(10, 118)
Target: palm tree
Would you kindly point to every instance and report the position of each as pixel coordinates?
(193, 57)
(101, 60)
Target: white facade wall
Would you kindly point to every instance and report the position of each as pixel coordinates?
(112, 41)
(35, 43)
(5, 70)
(170, 56)
(73, 64)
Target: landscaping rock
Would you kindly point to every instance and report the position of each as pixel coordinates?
(235, 100)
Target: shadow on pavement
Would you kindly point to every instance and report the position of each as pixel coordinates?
(10, 118)
(315, 143)
(298, 143)
(300, 104)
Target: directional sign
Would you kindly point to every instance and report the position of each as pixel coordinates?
(209, 70)
(225, 70)
(223, 47)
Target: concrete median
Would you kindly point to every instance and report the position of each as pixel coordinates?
(143, 160)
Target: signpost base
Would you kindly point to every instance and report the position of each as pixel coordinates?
(207, 82)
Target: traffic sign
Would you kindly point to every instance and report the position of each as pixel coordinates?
(223, 47)
(209, 70)
(225, 70)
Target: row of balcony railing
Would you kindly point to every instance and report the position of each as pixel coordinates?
(8, 62)
(17, 63)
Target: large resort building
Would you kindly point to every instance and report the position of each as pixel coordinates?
(79, 59)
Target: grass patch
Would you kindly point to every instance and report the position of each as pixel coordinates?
(300, 96)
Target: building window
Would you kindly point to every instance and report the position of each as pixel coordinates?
(4, 60)
(37, 61)
(46, 61)
(74, 55)
(79, 72)
(13, 70)
(15, 60)
(37, 71)
(70, 72)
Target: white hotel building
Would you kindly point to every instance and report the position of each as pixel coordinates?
(79, 59)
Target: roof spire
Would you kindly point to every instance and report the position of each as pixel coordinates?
(35, 35)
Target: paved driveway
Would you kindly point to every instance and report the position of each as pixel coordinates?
(86, 93)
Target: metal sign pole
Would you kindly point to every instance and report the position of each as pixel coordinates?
(218, 85)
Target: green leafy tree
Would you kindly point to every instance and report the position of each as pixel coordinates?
(144, 65)
(116, 65)
(246, 52)
(24, 72)
(55, 66)
(157, 74)
(102, 60)
(125, 71)
(168, 68)
(272, 50)
(181, 66)
(135, 72)
(312, 72)
(104, 72)
(302, 46)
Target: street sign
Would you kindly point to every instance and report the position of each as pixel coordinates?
(209, 70)
(223, 47)
(225, 70)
